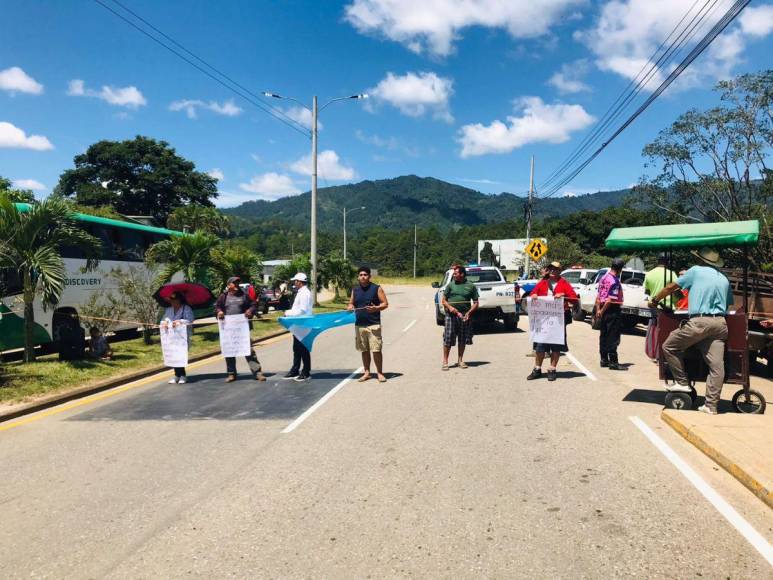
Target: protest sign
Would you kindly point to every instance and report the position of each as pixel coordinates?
(546, 319)
(234, 335)
(174, 345)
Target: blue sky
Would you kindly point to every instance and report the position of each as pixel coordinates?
(461, 90)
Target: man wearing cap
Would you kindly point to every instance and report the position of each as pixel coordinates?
(608, 302)
(302, 306)
(235, 301)
(706, 328)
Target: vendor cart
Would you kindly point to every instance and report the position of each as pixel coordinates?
(692, 237)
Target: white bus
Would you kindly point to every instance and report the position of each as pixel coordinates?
(123, 244)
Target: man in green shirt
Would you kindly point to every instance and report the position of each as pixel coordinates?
(456, 299)
(658, 278)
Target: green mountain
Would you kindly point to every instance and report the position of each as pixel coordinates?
(399, 203)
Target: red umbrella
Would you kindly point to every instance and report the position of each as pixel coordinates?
(196, 295)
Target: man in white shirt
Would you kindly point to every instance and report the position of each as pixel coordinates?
(301, 307)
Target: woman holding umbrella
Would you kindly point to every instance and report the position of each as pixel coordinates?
(179, 299)
(176, 314)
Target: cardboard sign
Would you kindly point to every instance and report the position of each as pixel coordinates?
(234, 335)
(174, 345)
(546, 319)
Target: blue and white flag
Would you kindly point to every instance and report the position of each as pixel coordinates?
(307, 328)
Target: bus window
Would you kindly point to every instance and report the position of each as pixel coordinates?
(131, 244)
(102, 233)
(10, 282)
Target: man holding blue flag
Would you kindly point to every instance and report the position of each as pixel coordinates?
(302, 306)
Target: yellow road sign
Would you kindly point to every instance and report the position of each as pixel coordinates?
(536, 249)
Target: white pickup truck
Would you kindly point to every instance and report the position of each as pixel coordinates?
(496, 296)
(634, 308)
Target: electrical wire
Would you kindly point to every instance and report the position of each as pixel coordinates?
(237, 88)
(723, 22)
(636, 85)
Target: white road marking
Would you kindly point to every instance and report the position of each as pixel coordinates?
(307, 413)
(739, 523)
(580, 366)
(426, 306)
(407, 328)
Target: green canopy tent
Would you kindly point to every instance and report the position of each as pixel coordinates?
(689, 236)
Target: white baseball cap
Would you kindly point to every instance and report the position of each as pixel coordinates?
(299, 276)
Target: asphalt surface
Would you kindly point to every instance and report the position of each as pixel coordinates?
(467, 473)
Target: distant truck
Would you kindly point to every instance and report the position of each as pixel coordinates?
(496, 296)
(634, 308)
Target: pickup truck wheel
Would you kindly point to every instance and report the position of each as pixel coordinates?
(577, 312)
(511, 320)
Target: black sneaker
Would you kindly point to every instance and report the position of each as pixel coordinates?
(302, 378)
(604, 363)
(551, 374)
(535, 374)
(290, 376)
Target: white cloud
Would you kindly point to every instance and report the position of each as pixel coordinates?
(32, 184)
(415, 94)
(480, 181)
(537, 122)
(11, 137)
(390, 143)
(129, 97)
(216, 173)
(757, 20)
(303, 116)
(16, 80)
(328, 167)
(270, 186)
(434, 25)
(569, 79)
(628, 32)
(191, 106)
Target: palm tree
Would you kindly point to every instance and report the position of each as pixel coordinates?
(31, 243)
(235, 260)
(191, 255)
(339, 271)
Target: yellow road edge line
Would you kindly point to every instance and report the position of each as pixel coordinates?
(116, 391)
(748, 481)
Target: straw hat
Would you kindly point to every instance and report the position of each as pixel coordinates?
(710, 256)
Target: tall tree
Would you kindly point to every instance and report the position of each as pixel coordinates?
(198, 218)
(191, 255)
(13, 194)
(338, 271)
(141, 176)
(32, 242)
(235, 260)
(713, 163)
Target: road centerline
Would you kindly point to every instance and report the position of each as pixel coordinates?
(308, 412)
(730, 514)
(580, 366)
(410, 325)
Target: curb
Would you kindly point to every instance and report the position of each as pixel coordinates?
(81, 392)
(722, 460)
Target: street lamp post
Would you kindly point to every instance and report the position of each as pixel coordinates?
(314, 115)
(350, 211)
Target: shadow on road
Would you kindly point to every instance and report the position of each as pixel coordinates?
(657, 397)
(208, 396)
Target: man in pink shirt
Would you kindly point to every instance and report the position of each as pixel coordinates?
(608, 302)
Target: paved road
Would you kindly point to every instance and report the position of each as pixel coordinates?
(465, 473)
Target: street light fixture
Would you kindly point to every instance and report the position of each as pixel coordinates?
(314, 114)
(350, 211)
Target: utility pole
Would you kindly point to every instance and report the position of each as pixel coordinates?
(414, 250)
(314, 200)
(344, 233)
(528, 217)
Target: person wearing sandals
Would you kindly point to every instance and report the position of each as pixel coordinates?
(557, 287)
(460, 301)
(176, 314)
(367, 301)
(236, 301)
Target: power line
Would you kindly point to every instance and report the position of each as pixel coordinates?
(242, 92)
(723, 22)
(636, 85)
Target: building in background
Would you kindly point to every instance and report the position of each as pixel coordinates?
(506, 254)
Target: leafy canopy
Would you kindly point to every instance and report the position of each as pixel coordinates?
(141, 176)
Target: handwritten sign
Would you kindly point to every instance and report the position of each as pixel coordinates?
(546, 320)
(174, 345)
(234, 335)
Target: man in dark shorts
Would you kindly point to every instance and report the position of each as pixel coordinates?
(460, 300)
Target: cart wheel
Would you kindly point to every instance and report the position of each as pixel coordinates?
(753, 404)
(679, 401)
